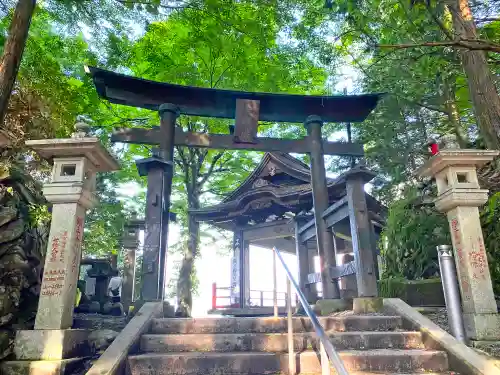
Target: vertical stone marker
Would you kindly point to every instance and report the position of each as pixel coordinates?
(130, 241)
(76, 161)
(459, 196)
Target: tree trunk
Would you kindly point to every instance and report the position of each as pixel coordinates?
(185, 281)
(482, 89)
(450, 104)
(13, 51)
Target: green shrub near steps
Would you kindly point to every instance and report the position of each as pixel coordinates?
(428, 292)
(412, 232)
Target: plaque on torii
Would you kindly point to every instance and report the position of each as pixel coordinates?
(247, 109)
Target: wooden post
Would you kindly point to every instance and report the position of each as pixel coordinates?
(152, 167)
(236, 271)
(363, 243)
(214, 296)
(324, 236)
(292, 368)
(168, 116)
(303, 262)
(243, 273)
(275, 286)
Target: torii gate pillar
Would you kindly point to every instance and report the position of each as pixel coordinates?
(324, 236)
(159, 169)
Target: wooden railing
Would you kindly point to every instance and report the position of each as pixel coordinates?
(221, 298)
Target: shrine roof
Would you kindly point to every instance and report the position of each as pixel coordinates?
(206, 102)
(279, 184)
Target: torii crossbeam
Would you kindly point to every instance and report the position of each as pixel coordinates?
(247, 108)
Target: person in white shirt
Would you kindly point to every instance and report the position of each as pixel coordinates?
(115, 287)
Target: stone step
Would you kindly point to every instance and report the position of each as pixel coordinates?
(274, 325)
(55, 367)
(406, 373)
(277, 342)
(250, 363)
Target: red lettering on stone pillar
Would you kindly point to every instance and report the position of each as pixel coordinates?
(64, 240)
(78, 243)
(54, 249)
(79, 229)
(479, 261)
(458, 243)
(49, 289)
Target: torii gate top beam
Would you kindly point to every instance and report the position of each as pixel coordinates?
(205, 102)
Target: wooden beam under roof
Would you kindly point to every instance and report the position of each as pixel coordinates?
(227, 142)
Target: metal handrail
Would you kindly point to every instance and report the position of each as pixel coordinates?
(328, 352)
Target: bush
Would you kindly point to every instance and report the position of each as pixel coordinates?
(413, 231)
(490, 222)
(410, 237)
(427, 292)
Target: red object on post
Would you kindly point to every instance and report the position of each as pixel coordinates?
(434, 148)
(214, 296)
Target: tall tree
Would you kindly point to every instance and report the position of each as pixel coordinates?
(69, 13)
(13, 51)
(381, 30)
(482, 88)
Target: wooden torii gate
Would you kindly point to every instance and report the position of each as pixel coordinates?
(247, 108)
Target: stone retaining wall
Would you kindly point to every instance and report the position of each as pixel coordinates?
(23, 241)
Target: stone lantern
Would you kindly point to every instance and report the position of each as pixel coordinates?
(130, 241)
(460, 196)
(71, 191)
(71, 188)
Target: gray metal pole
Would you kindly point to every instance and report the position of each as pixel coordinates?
(451, 292)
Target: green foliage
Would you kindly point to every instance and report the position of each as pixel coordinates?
(52, 88)
(104, 223)
(414, 292)
(39, 215)
(490, 222)
(412, 233)
(391, 287)
(410, 237)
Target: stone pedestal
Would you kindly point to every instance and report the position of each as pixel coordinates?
(76, 160)
(64, 344)
(459, 196)
(348, 284)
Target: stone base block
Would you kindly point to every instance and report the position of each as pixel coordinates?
(300, 311)
(489, 347)
(59, 367)
(327, 306)
(52, 344)
(367, 305)
(168, 310)
(482, 326)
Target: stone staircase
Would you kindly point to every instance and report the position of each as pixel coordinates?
(368, 344)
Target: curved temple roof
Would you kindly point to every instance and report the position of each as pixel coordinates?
(279, 184)
(197, 101)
